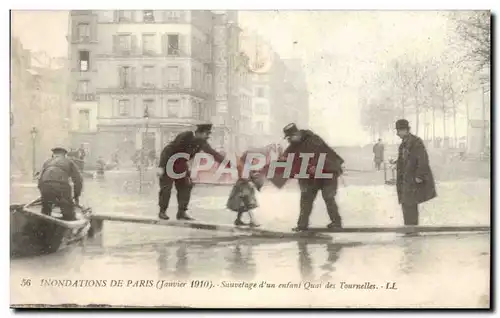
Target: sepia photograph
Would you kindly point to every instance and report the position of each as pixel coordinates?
(250, 159)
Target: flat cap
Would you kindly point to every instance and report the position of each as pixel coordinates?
(204, 127)
(402, 124)
(59, 150)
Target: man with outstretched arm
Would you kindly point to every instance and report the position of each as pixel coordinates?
(306, 142)
(189, 143)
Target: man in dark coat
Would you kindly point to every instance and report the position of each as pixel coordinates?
(415, 182)
(189, 143)
(305, 141)
(378, 154)
(54, 184)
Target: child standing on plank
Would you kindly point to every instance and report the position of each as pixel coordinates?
(242, 198)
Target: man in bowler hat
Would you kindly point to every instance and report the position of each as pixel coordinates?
(305, 141)
(190, 143)
(414, 181)
(54, 185)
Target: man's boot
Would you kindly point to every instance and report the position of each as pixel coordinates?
(163, 215)
(183, 216)
(335, 224)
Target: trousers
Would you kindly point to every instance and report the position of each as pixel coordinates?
(309, 190)
(410, 214)
(59, 194)
(183, 187)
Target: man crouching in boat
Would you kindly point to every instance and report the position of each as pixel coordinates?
(54, 184)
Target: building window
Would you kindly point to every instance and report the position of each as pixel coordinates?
(259, 92)
(84, 120)
(173, 44)
(260, 109)
(148, 44)
(148, 76)
(173, 15)
(83, 87)
(83, 32)
(124, 15)
(125, 77)
(173, 76)
(259, 126)
(148, 16)
(148, 108)
(84, 64)
(124, 43)
(123, 107)
(173, 108)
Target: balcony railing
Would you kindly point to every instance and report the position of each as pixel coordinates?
(84, 97)
(128, 120)
(173, 88)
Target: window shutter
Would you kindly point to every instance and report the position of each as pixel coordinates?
(115, 43)
(183, 47)
(93, 28)
(114, 107)
(164, 76)
(140, 16)
(74, 32)
(133, 44)
(181, 76)
(164, 44)
(133, 75)
(121, 77)
(158, 15)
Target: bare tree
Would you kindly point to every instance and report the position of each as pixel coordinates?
(473, 31)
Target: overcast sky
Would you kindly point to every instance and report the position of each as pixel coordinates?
(338, 48)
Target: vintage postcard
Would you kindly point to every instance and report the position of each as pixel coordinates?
(250, 159)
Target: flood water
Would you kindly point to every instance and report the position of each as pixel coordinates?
(445, 270)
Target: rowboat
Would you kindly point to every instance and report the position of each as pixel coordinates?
(33, 233)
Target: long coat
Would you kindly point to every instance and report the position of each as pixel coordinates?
(412, 163)
(378, 152)
(186, 142)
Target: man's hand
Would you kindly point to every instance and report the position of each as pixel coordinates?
(418, 180)
(160, 172)
(311, 170)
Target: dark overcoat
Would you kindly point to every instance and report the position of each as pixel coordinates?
(186, 142)
(412, 163)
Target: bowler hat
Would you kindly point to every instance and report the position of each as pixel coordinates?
(290, 130)
(402, 124)
(204, 127)
(59, 150)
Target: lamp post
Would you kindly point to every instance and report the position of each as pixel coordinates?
(143, 153)
(34, 133)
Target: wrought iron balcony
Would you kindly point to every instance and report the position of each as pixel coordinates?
(84, 97)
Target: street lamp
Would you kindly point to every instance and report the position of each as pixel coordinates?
(34, 133)
(143, 156)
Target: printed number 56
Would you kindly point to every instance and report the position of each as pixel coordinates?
(25, 282)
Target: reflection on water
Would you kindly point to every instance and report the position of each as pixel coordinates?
(442, 262)
(241, 264)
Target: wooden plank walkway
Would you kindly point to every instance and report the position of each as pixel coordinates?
(96, 219)
(312, 232)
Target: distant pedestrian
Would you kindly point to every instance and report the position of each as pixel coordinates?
(378, 154)
(414, 182)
